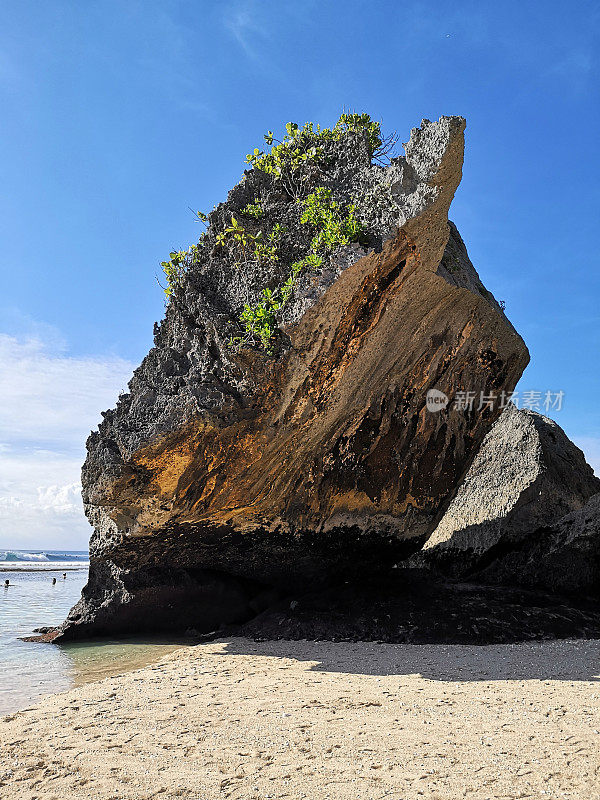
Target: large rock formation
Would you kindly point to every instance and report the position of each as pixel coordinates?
(526, 476)
(227, 470)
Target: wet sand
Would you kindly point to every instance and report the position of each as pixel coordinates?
(315, 720)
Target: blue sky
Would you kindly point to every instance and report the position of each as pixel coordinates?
(118, 115)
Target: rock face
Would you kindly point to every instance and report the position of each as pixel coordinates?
(526, 477)
(229, 472)
(564, 557)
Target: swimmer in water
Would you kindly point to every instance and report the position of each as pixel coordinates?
(53, 581)
(64, 576)
(6, 583)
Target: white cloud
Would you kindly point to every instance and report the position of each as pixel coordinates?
(60, 499)
(40, 500)
(49, 402)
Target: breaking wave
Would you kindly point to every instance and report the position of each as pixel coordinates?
(13, 555)
(43, 557)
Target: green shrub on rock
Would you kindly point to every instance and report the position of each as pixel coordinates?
(334, 228)
(174, 269)
(254, 209)
(299, 186)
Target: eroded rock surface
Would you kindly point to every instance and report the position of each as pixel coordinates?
(527, 476)
(563, 557)
(225, 474)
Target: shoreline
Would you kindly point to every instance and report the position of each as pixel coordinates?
(238, 718)
(43, 568)
(90, 662)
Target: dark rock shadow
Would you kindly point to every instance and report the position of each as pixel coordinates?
(415, 607)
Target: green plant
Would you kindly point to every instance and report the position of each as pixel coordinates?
(174, 269)
(246, 247)
(201, 217)
(311, 261)
(238, 241)
(300, 145)
(334, 225)
(294, 150)
(176, 266)
(234, 232)
(259, 321)
(364, 123)
(254, 209)
(268, 250)
(334, 228)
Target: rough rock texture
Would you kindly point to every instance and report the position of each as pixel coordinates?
(526, 476)
(320, 459)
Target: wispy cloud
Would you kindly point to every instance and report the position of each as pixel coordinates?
(50, 397)
(49, 402)
(564, 53)
(241, 19)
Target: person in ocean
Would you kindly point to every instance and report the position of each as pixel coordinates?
(64, 576)
(53, 581)
(6, 583)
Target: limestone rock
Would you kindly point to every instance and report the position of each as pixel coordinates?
(526, 476)
(563, 557)
(319, 458)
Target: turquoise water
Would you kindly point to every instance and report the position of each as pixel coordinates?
(28, 670)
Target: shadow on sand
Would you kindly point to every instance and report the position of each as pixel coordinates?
(565, 660)
(410, 622)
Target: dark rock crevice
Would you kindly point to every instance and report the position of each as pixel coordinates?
(410, 606)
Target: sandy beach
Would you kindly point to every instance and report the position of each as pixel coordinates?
(256, 720)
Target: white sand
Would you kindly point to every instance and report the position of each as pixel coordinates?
(319, 720)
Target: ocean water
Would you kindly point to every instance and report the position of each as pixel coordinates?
(29, 670)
